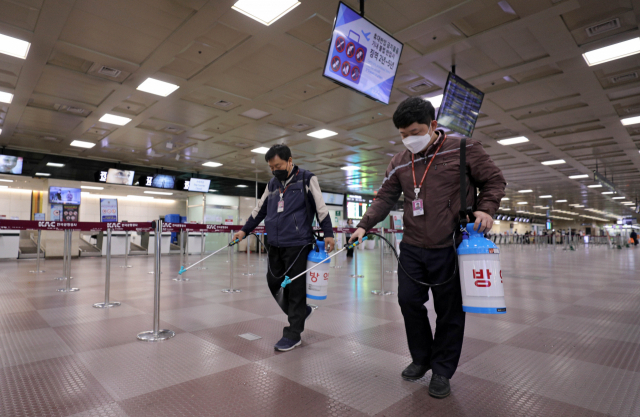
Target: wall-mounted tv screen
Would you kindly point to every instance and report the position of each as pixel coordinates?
(460, 106)
(158, 181)
(10, 164)
(362, 56)
(119, 176)
(198, 185)
(356, 210)
(333, 198)
(63, 195)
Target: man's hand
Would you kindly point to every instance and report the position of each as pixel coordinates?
(329, 244)
(240, 235)
(358, 235)
(483, 223)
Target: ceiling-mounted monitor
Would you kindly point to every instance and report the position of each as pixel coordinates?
(197, 185)
(158, 181)
(362, 56)
(10, 164)
(460, 106)
(333, 198)
(116, 176)
(64, 195)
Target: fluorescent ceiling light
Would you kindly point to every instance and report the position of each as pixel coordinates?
(114, 120)
(525, 191)
(5, 97)
(89, 187)
(157, 87)
(618, 198)
(350, 168)
(261, 150)
(140, 197)
(607, 192)
(212, 164)
(561, 201)
(513, 141)
(6, 180)
(265, 12)
(612, 52)
(54, 164)
(322, 134)
(595, 186)
(82, 144)
(522, 202)
(630, 121)
(42, 174)
(212, 191)
(553, 162)
(629, 203)
(577, 177)
(505, 198)
(545, 196)
(157, 192)
(242, 186)
(435, 101)
(14, 47)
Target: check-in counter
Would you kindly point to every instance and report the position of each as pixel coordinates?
(118, 243)
(166, 243)
(9, 244)
(53, 243)
(194, 242)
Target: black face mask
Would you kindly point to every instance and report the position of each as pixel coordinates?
(280, 174)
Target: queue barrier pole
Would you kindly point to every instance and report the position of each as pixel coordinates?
(157, 334)
(183, 259)
(355, 261)
(230, 290)
(202, 239)
(127, 247)
(68, 243)
(38, 271)
(64, 259)
(107, 278)
(248, 273)
(381, 291)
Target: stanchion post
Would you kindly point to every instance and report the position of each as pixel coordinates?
(202, 240)
(355, 261)
(67, 249)
(156, 335)
(38, 271)
(127, 246)
(381, 291)
(64, 259)
(248, 273)
(107, 278)
(230, 290)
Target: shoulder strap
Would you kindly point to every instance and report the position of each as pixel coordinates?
(306, 203)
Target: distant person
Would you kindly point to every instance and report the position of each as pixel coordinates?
(348, 236)
(634, 236)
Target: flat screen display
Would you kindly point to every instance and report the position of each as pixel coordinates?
(356, 210)
(63, 195)
(10, 164)
(158, 181)
(332, 198)
(460, 106)
(362, 56)
(199, 185)
(120, 177)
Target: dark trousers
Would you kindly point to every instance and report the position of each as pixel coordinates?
(433, 266)
(295, 294)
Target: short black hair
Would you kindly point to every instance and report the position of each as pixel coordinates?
(279, 150)
(411, 110)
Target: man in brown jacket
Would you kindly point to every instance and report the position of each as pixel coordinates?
(428, 173)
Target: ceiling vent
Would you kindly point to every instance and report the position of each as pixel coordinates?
(301, 126)
(172, 129)
(603, 27)
(421, 85)
(223, 103)
(624, 77)
(109, 72)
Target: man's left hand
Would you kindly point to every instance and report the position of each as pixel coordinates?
(483, 223)
(329, 244)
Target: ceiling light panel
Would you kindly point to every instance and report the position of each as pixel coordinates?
(157, 87)
(513, 141)
(89, 187)
(595, 186)
(115, 120)
(525, 191)
(350, 168)
(612, 52)
(5, 97)
(265, 11)
(322, 134)
(42, 174)
(212, 164)
(618, 198)
(578, 177)
(82, 144)
(435, 101)
(261, 150)
(554, 162)
(630, 121)
(14, 47)
(54, 164)
(545, 196)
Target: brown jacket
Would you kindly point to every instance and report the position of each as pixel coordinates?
(440, 191)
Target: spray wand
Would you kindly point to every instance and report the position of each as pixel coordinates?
(183, 269)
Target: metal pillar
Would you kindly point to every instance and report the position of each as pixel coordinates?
(127, 246)
(355, 261)
(107, 279)
(230, 290)
(38, 271)
(68, 237)
(202, 239)
(182, 278)
(156, 334)
(248, 273)
(381, 291)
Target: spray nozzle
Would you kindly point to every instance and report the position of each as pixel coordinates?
(182, 270)
(286, 282)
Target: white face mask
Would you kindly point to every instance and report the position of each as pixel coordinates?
(417, 143)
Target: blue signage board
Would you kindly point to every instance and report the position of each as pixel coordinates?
(108, 210)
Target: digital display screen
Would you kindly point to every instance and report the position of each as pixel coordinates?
(198, 185)
(356, 210)
(10, 164)
(116, 176)
(332, 198)
(362, 56)
(63, 195)
(460, 106)
(158, 181)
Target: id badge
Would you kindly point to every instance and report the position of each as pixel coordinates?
(280, 206)
(418, 207)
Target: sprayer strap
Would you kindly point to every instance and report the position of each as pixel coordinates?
(463, 181)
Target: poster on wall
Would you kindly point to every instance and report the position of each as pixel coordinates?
(39, 217)
(108, 209)
(69, 213)
(56, 212)
(228, 220)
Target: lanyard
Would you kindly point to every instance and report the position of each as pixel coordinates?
(285, 188)
(416, 188)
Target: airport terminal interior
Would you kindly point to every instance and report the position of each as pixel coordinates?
(133, 136)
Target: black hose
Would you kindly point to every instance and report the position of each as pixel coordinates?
(269, 261)
(455, 271)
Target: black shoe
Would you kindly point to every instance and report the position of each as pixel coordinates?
(414, 371)
(309, 312)
(439, 386)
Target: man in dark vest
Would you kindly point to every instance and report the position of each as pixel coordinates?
(287, 206)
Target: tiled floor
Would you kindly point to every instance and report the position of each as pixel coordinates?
(569, 344)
